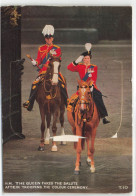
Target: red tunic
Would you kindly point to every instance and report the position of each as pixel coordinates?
(83, 69)
(43, 56)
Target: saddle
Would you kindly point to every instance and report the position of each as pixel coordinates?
(72, 102)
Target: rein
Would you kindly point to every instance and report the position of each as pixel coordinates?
(50, 96)
(83, 117)
(45, 81)
(50, 91)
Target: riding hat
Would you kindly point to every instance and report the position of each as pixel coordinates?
(48, 31)
(88, 47)
(87, 53)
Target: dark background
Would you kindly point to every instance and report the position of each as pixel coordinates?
(77, 24)
(11, 71)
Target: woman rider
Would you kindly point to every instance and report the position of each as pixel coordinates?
(88, 71)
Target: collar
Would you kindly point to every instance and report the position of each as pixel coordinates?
(48, 46)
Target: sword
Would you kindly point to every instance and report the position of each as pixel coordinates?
(28, 55)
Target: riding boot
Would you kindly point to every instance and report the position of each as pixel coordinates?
(97, 96)
(63, 89)
(105, 121)
(29, 104)
(64, 94)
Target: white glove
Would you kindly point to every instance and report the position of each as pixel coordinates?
(52, 51)
(34, 62)
(79, 59)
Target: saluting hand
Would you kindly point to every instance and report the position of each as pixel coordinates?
(79, 59)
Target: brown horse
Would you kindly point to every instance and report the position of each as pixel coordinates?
(51, 102)
(85, 123)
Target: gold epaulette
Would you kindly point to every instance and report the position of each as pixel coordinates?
(93, 65)
(56, 46)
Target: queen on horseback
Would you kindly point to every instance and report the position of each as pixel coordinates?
(87, 72)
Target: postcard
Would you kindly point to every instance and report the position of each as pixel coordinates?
(66, 77)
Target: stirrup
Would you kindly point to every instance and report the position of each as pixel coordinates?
(26, 104)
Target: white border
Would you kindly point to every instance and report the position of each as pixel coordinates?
(86, 3)
(69, 2)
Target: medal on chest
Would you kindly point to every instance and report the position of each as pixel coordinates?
(90, 71)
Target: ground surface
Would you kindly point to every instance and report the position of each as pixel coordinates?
(113, 157)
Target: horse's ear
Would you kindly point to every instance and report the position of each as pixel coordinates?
(78, 81)
(89, 83)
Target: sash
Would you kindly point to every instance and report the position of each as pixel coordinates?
(86, 76)
(46, 58)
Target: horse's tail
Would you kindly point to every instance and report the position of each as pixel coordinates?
(83, 144)
(83, 134)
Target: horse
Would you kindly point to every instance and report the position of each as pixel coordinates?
(84, 123)
(51, 102)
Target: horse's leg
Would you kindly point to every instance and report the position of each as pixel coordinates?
(72, 123)
(48, 120)
(70, 118)
(88, 152)
(54, 129)
(42, 112)
(78, 149)
(77, 165)
(91, 153)
(62, 110)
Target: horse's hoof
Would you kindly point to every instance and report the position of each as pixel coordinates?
(92, 169)
(63, 143)
(76, 172)
(47, 142)
(54, 149)
(88, 161)
(40, 148)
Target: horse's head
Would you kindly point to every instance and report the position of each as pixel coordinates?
(85, 98)
(54, 66)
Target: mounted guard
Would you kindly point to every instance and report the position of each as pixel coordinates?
(42, 62)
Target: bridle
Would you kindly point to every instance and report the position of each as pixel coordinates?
(84, 115)
(49, 83)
